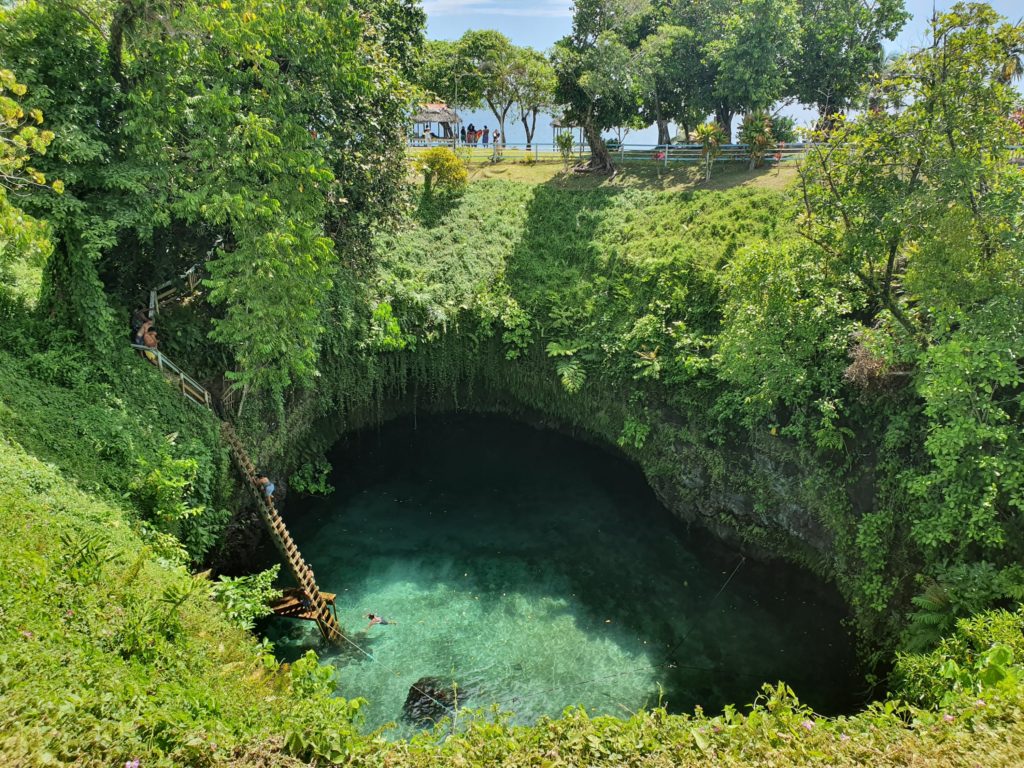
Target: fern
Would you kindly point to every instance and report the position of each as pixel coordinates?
(561, 349)
(572, 373)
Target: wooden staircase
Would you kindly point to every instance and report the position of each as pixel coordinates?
(319, 607)
(308, 602)
(172, 290)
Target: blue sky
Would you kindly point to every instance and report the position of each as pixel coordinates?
(539, 23)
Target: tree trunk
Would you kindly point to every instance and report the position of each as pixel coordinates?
(499, 116)
(826, 119)
(600, 158)
(663, 137)
(724, 116)
(501, 122)
(530, 127)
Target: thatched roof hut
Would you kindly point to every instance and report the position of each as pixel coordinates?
(562, 125)
(444, 117)
(436, 113)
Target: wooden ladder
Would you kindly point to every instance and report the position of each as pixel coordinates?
(324, 617)
(320, 608)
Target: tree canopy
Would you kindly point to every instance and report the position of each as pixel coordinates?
(274, 132)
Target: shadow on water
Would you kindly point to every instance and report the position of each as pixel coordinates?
(540, 572)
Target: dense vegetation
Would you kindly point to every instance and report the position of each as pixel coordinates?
(113, 653)
(831, 373)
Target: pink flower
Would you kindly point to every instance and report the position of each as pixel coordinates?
(808, 724)
(947, 718)
(979, 703)
(132, 763)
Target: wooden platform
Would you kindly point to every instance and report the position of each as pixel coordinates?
(290, 605)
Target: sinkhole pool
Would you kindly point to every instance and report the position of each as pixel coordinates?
(539, 572)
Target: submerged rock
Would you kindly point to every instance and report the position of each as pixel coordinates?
(430, 699)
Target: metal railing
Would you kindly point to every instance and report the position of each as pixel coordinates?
(627, 153)
(189, 387)
(665, 154)
(188, 280)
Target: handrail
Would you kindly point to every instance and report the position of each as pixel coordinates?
(190, 388)
(326, 620)
(190, 277)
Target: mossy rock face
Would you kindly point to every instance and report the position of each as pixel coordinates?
(430, 700)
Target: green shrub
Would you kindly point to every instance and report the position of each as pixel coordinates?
(564, 142)
(985, 651)
(246, 598)
(442, 170)
(312, 478)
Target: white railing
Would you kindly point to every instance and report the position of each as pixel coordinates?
(189, 387)
(189, 279)
(624, 153)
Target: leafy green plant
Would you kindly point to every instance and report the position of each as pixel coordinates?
(246, 598)
(959, 592)
(986, 651)
(756, 132)
(312, 478)
(385, 333)
(564, 141)
(162, 491)
(83, 559)
(569, 369)
(442, 170)
(516, 334)
(711, 137)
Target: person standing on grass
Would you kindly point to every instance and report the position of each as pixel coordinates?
(486, 135)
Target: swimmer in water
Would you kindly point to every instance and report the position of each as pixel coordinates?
(375, 619)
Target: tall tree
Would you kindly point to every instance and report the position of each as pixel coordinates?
(533, 82)
(840, 45)
(490, 54)
(480, 68)
(597, 73)
(674, 81)
(60, 53)
(917, 202)
(750, 56)
(278, 128)
(22, 137)
(446, 73)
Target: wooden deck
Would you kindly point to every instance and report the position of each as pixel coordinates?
(289, 604)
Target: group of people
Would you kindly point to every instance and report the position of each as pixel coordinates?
(471, 136)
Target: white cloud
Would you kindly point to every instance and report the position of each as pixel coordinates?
(526, 8)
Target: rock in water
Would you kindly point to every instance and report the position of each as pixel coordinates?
(430, 699)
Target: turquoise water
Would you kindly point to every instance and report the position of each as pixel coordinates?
(540, 572)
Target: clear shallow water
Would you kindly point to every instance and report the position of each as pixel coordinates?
(540, 572)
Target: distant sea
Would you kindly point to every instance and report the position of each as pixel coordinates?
(646, 137)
